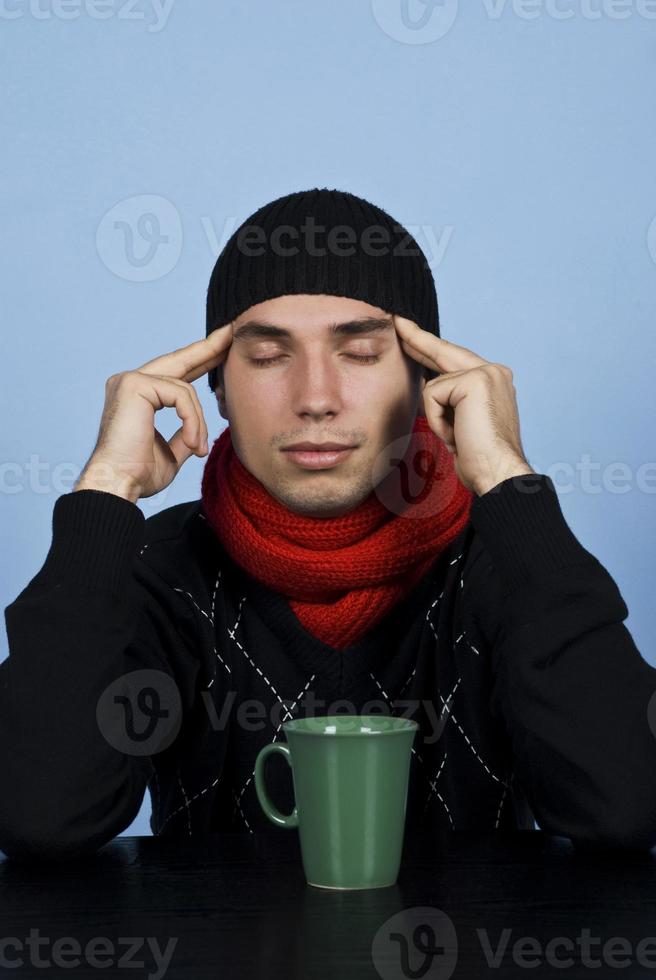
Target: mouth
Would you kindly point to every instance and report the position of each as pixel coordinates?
(318, 456)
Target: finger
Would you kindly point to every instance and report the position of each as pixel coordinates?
(190, 362)
(215, 358)
(185, 386)
(436, 352)
(418, 356)
(443, 432)
(427, 362)
(206, 366)
(201, 414)
(441, 420)
(177, 445)
(165, 393)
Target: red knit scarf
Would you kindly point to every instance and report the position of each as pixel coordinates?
(340, 574)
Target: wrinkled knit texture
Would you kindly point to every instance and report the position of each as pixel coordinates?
(341, 574)
(321, 241)
(511, 654)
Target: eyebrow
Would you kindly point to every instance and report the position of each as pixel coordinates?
(254, 329)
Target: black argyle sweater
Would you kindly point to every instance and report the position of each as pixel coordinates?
(511, 654)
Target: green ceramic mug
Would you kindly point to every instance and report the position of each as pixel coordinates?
(350, 777)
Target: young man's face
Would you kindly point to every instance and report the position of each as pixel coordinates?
(308, 385)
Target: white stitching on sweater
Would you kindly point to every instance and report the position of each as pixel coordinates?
(282, 704)
(460, 729)
(217, 654)
(429, 611)
(470, 645)
(390, 702)
(296, 699)
(437, 776)
(440, 797)
(414, 669)
(275, 736)
(503, 796)
(434, 789)
(210, 617)
(216, 585)
(184, 592)
(464, 631)
(383, 692)
(243, 599)
(445, 707)
(186, 803)
(190, 800)
(231, 633)
(390, 706)
(446, 703)
(238, 804)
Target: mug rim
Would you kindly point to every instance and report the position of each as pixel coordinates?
(406, 725)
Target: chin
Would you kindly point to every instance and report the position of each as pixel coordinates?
(317, 505)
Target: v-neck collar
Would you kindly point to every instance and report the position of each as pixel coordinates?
(335, 665)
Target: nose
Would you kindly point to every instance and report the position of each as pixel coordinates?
(316, 387)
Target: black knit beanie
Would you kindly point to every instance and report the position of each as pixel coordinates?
(321, 241)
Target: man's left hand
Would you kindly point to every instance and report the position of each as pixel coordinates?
(471, 406)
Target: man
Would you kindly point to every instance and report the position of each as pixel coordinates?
(369, 537)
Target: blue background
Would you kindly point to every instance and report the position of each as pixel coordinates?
(517, 144)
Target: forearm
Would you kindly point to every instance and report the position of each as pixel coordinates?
(577, 711)
(65, 787)
(570, 684)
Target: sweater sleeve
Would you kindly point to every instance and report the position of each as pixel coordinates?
(90, 644)
(569, 684)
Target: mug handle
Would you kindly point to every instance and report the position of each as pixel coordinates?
(272, 812)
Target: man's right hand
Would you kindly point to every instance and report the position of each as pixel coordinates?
(131, 458)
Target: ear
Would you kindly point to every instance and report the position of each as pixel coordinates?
(219, 391)
(220, 397)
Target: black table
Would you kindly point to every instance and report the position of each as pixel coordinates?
(233, 905)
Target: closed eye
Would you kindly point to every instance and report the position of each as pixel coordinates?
(362, 358)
